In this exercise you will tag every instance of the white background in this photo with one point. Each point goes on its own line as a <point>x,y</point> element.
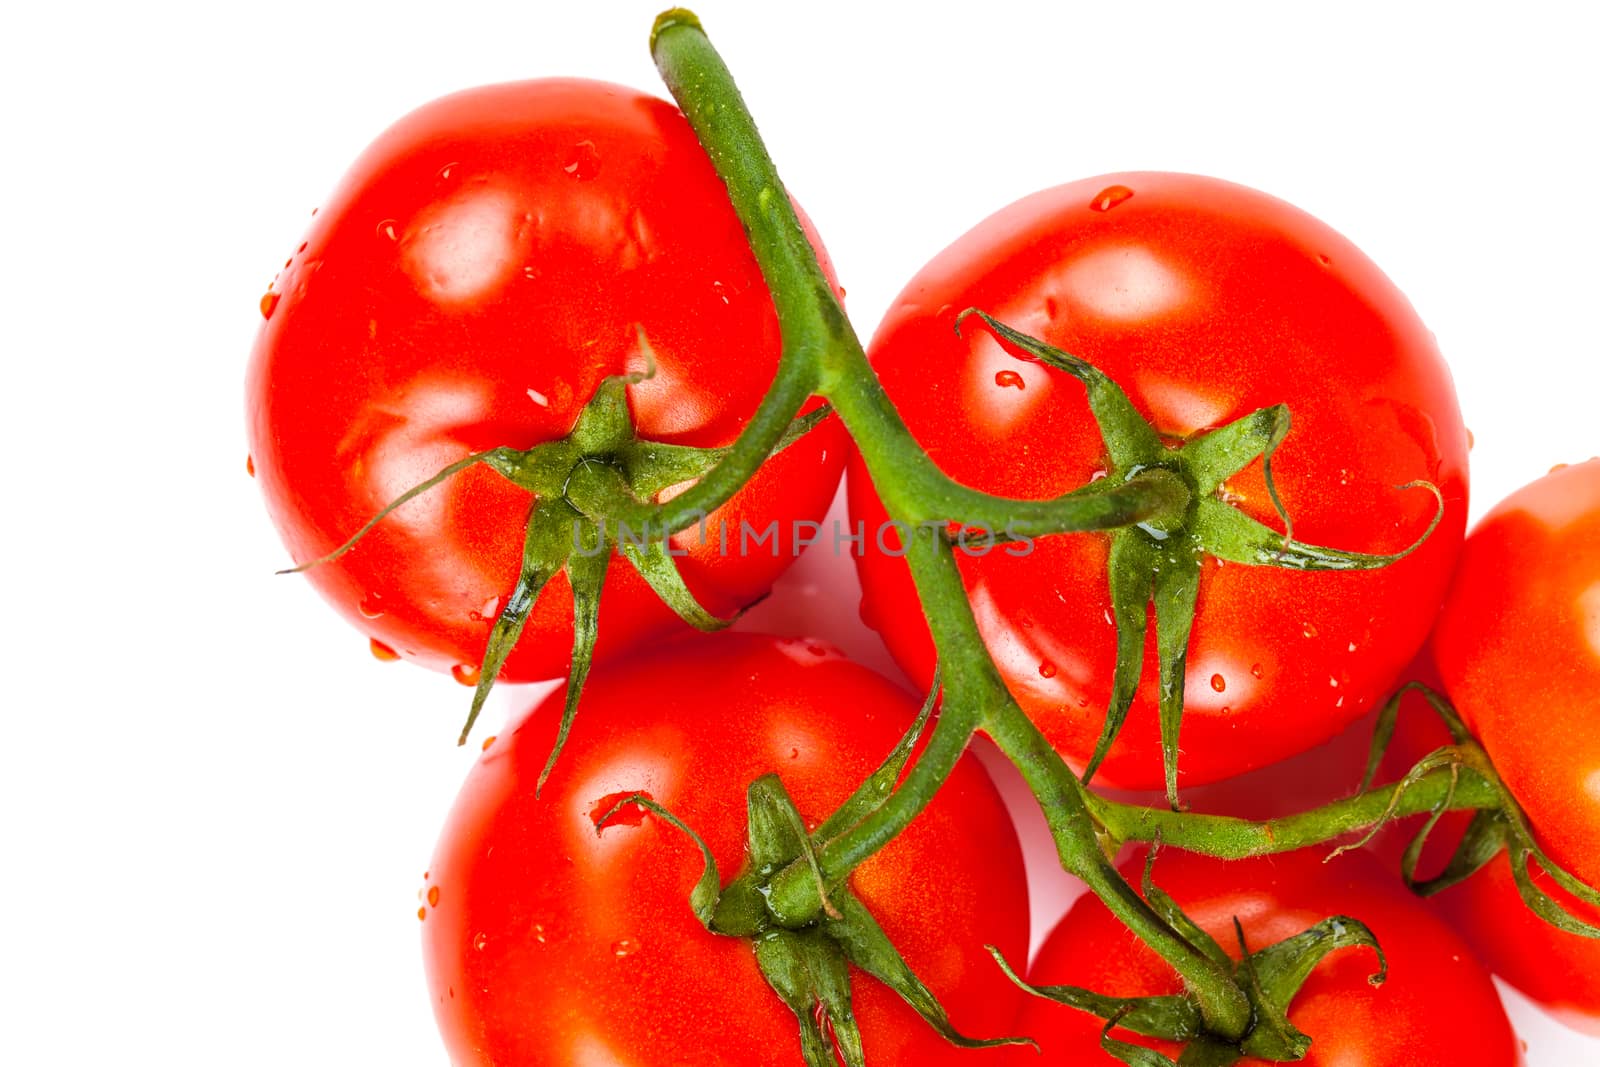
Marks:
<point>217,805</point>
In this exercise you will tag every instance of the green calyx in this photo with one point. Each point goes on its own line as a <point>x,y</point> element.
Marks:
<point>1492,829</point>
<point>594,497</point>
<point>1158,561</point>
<point>1269,978</point>
<point>809,965</point>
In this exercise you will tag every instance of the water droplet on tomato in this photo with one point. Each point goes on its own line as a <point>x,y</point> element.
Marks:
<point>250,466</point>
<point>480,941</point>
<point>1047,669</point>
<point>538,932</point>
<point>1333,682</point>
<point>1345,476</point>
<point>386,229</point>
<point>624,948</point>
<point>1009,379</point>
<point>433,896</point>
<point>1051,308</point>
<point>422,914</point>
<point>721,291</point>
<point>1110,197</point>
<point>269,300</point>
<point>1351,647</point>
<point>1309,629</point>
<point>1471,440</point>
<point>444,171</point>
<point>1558,467</point>
<point>371,606</point>
<point>486,611</point>
<point>465,673</point>
<point>1218,682</point>
<point>1257,671</point>
<point>583,162</point>
<point>1322,258</point>
<point>794,753</point>
<point>487,741</point>
<point>1227,711</point>
<point>303,246</point>
<point>382,652</point>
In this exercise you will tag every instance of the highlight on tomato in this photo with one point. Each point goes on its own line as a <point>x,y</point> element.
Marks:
<point>486,267</point>
<point>549,940</point>
<point>1236,327</point>
<point>1435,1007</point>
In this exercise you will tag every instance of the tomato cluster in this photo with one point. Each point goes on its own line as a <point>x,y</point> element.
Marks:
<point>497,256</point>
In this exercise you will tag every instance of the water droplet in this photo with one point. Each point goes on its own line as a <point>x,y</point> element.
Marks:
<point>487,741</point>
<point>817,650</point>
<point>1009,379</point>
<point>1345,476</point>
<point>583,162</point>
<point>1257,671</point>
<point>269,300</point>
<point>386,229</point>
<point>480,941</point>
<point>486,611</point>
<point>1218,682</point>
<point>425,875</point>
<point>1051,308</point>
<point>422,914</point>
<point>250,466</point>
<point>1227,711</point>
<point>371,606</point>
<point>465,673</point>
<point>721,291</point>
<point>624,948</point>
<point>630,815</point>
<point>1309,629</point>
<point>1333,683</point>
<point>1110,197</point>
<point>433,896</point>
<point>382,652</point>
<point>303,246</point>
<point>1351,647</point>
<point>538,398</point>
<point>444,171</point>
<point>794,753</point>
<point>1322,258</point>
<point>538,932</point>
<point>1083,702</point>
<point>1047,669</point>
<point>1471,440</point>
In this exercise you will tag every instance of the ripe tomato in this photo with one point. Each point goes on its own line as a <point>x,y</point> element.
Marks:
<point>485,263</point>
<point>548,944</point>
<point>1518,647</point>
<point>1437,1007</point>
<point>1205,301</point>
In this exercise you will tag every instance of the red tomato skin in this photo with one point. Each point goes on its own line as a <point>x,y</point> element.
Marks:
<point>484,264</point>
<point>1205,301</point>
<point>1438,1006</point>
<point>1518,647</point>
<point>552,945</point>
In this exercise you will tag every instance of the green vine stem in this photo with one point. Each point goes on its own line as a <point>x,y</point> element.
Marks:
<point>1228,837</point>
<point>821,354</point>
<point>918,495</point>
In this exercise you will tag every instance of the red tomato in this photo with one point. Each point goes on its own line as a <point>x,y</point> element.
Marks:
<point>482,267</point>
<point>1518,647</point>
<point>1555,969</point>
<point>1438,1006</point>
<point>1205,301</point>
<point>548,944</point>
